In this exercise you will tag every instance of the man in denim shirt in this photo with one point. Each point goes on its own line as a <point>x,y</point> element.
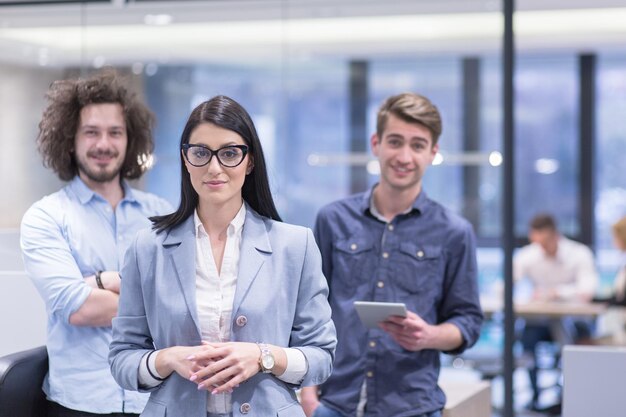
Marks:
<point>393,244</point>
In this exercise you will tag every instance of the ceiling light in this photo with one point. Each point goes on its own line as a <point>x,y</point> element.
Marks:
<point>43,57</point>
<point>546,166</point>
<point>357,35</point>
<point>495,159</point>
<point>157,19</point>
<point>313,160</point>
<point>151,69</point>
<point>98,62</point>
<point>137,68</point>
<point>373,167</point>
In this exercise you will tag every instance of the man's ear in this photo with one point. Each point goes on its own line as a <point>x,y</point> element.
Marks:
<point>375,143</point>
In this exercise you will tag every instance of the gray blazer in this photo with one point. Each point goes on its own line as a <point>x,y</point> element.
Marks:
<point>281,299</point>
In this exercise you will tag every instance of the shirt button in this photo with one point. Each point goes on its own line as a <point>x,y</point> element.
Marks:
<point>390,227</point>
<point>420,254</point>
<point>380,284</point>
<point>370,374</point>
<point>241,321</point>
<point>385,255</point>
<point>372,344</point>
<point>245,408</point>
<point>353,246</point>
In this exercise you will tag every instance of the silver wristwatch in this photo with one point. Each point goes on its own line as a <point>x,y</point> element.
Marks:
<point>266,361</point>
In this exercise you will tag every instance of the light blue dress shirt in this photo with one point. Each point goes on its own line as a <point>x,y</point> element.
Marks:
<point>65,237</point>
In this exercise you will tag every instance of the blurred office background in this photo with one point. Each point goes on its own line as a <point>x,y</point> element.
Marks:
<point>312,74</point>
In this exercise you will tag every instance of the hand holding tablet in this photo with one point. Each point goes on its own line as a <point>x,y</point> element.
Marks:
<point>373,312</point>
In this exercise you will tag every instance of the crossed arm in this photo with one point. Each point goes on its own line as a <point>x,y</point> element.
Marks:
<point>101,305</point>
<point>52,267</point>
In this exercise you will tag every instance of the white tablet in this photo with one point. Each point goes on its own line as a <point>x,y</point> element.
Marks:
<point>372,312</point>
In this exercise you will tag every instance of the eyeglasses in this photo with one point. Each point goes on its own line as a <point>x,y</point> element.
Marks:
<point>228,156</point>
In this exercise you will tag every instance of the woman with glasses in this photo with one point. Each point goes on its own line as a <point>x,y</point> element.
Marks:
<point>223,308</point>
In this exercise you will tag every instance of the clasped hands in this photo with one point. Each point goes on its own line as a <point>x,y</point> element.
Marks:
<point>216,367</point>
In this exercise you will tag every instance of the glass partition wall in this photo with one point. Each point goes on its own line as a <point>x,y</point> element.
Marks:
<point>313,73</point>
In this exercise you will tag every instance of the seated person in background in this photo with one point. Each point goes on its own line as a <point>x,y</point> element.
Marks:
<point>614,319</point>
<point>619,287</point>
<point>559,269</point>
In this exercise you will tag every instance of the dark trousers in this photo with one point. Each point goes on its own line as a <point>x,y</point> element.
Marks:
<point>57,410</point>
<point>534,333</point>
<point>324,411</point>
<point>531,336</point>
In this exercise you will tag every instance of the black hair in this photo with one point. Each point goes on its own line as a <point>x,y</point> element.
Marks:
<point>226,113</point>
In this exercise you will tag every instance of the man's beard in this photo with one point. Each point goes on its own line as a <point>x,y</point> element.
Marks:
<point>100,175</point>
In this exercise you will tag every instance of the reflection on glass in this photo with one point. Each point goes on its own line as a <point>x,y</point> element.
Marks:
<point>547,154</point>
<point>609,164</point>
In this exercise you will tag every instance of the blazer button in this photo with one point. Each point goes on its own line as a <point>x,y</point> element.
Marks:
<point>241,321</point>
<point>245,408</point>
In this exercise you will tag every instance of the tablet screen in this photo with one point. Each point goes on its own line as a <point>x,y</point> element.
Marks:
<point>373,312</point>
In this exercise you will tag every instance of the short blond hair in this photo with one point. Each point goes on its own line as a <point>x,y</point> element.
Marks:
<point>412,108</point>
<point>619,229</point>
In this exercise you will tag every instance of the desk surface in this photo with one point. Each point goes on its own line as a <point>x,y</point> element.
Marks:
<point>554,309</point>
<point>467,399</point>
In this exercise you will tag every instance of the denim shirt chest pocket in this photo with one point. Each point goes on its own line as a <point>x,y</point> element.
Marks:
<point>351,258</point>
<point>419,268</point>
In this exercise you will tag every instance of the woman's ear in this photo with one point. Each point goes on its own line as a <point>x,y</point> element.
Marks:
<point>250,166</point>
<point>182,154</point>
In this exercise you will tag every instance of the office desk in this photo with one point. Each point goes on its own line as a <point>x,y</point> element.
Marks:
<point>467,399</point>
<point>556,314</point>
<point>543,309</point>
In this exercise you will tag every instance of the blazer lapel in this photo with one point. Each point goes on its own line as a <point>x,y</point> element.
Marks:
<point>181,245</point>
<point>255,245</point>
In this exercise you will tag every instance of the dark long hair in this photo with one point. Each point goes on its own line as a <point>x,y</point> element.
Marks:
<point>226,113</point>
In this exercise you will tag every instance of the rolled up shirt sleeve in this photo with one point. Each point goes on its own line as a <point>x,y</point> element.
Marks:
<point>50,264</point>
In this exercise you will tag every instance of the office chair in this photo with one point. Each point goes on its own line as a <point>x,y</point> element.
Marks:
<point>21,376</point>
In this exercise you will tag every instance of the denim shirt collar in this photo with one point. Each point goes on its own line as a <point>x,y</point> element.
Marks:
<point>419,205</point>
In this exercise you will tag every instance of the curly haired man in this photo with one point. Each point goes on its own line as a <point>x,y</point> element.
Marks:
<point>94,134</point>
